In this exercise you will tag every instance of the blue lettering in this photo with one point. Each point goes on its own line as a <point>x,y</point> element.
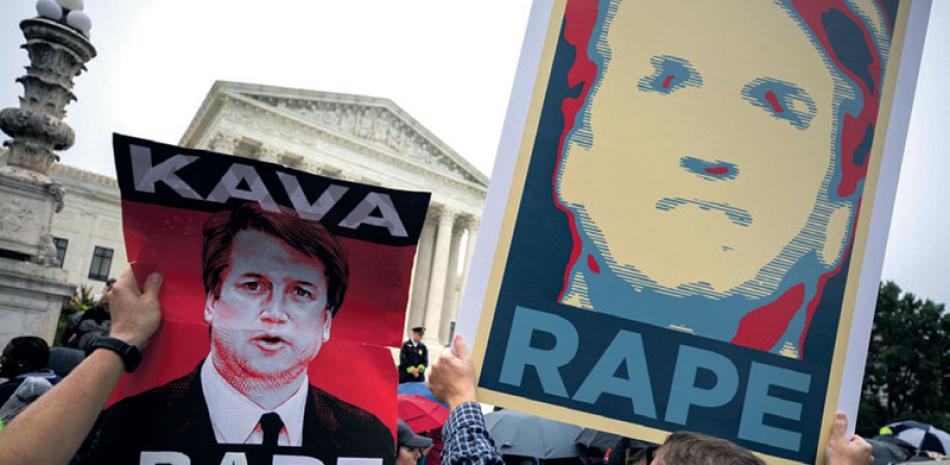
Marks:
<point>519,353</point>
<point>627,349</point>
<point>758,402</point>
<point>684,392</point>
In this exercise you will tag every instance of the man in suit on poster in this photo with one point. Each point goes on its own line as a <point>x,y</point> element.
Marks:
<point>273,283</point>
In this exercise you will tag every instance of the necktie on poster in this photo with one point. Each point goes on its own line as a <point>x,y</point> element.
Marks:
<point>283,293</point>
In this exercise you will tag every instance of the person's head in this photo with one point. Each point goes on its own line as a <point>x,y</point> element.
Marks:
<point>717,163</point>
<point>417,333</point>
<point>273,282</point>
<point>24,354</point>
<point>411,445</point>
<point>103,300</point>
<point>693,449</point>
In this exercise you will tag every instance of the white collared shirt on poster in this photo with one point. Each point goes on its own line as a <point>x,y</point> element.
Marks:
<point>235,418</point>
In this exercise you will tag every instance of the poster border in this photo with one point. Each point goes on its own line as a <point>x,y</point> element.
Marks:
<point>510,172</point>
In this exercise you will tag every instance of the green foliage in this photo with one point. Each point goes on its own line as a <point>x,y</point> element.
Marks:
<point>908,367</point>
<point>80,301</point>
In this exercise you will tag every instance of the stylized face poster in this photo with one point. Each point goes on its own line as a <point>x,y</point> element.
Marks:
<point>683,221</point>
<point>283,291</point>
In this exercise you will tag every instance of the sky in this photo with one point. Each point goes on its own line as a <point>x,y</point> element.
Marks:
<point>450,64</point>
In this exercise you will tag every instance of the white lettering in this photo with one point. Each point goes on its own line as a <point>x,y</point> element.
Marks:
<point>228,187</point>
<point>234,458</point>
<point>145,176</point>
<point>311,211</point>
<point>389,219</point>
<point>358,461</point>
<point>163,458</point>
<point>280,459</point>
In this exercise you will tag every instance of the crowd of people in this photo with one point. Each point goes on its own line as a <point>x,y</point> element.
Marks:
<point>41,434</point>
<point>31,367</point>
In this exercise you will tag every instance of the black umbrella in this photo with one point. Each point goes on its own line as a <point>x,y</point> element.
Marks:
<point>598,439</point>
<point>920,435</point>
<point>601,440</point>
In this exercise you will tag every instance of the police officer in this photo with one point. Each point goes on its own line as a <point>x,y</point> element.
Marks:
<point>414,358</point>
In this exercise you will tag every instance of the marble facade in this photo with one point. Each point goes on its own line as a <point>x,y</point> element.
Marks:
<point>363,139</point>
<point>358,138</point>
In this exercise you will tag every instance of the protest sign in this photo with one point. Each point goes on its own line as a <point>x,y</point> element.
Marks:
<point>688,214</point>
<point>283,292</point>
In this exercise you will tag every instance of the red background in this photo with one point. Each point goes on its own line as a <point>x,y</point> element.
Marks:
<point>355,365</point>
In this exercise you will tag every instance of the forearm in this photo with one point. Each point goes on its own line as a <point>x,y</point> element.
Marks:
<point>51,430</point>
<point>466,438</point>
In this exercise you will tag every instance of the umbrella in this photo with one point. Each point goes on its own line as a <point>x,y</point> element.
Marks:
<point>601,440</point>
<point>888,449</point>
<point>419,413</point>
<point>418,389</point>
<point>518,433</point>
<point>597,439</point>
<point>920,435</point>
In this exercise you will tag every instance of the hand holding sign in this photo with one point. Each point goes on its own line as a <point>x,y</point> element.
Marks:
<point>135,315</point>
<point>452,379</point>
<point>844,451</point>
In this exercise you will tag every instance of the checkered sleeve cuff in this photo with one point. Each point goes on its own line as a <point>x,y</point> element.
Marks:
<point>466,438</point>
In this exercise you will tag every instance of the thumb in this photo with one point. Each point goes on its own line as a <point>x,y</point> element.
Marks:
<point>459,348</point>
<point>840,427</point>
<point>152,285</point>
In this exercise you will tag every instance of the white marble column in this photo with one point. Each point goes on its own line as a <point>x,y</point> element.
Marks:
<point>450,300</point>
<point>421,275</point>
<point>440,265</point>
<point>469,249</point>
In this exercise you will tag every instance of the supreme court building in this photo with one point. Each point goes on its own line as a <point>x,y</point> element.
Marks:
<point>352,137</point>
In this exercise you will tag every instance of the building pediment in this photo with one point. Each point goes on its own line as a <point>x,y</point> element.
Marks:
<point>377,122</point>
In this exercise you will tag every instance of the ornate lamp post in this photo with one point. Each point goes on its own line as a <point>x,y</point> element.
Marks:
<point>32,284</point>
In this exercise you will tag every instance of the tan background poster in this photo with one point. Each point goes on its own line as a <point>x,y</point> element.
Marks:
<point>684,194</point>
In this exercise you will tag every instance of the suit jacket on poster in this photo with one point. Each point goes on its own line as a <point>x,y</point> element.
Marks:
<point>174,417</point>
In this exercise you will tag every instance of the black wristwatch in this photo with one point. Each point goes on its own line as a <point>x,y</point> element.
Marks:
<point>131,357</point>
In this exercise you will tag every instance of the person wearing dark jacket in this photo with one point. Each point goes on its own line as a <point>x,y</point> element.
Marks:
<point>178,421</point>
<point>23,357</point>
<point>84,328</point>
<point>414,358</point>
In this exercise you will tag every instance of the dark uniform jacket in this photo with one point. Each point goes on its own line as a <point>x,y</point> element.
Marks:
<point>174,417</point>
<point>413,356</point>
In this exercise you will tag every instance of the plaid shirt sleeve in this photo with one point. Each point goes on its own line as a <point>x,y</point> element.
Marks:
<point>466,438</point>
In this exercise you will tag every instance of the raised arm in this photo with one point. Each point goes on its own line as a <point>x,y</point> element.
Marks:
<point>466,438</point>
<point>51,429</point>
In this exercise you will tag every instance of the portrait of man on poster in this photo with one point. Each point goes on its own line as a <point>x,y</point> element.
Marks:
<point>273,284</point>
<point>712,180</point>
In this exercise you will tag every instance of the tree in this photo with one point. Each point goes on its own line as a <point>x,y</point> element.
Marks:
<point>908,366</point>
